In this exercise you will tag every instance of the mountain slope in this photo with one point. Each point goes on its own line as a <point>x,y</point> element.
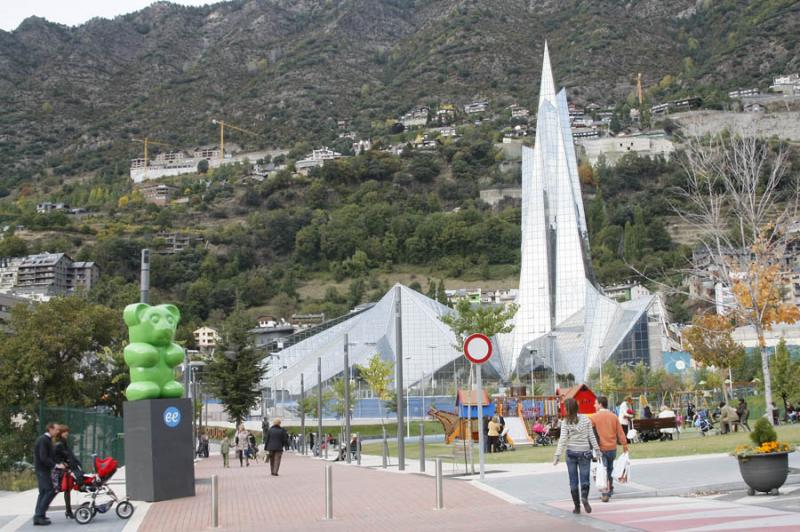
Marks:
<point>288,69</point>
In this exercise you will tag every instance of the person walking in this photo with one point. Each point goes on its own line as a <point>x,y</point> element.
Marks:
<point>743,413</point>
<point>609,435</point>
<point>43,464</point>
<point>242,442</point>
<point>577,436</point>
<point>225,449</point>
<point>626,415</point>
<point>62,454</point>
<point>276,441</point>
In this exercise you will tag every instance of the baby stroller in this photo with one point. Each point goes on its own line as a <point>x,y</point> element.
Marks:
<point>97,484</point>
<point>544,437</point>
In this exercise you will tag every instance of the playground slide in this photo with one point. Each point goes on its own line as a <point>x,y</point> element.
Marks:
<point>517,431</point>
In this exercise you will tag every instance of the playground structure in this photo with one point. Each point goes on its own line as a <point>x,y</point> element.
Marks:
<point>519,411</point>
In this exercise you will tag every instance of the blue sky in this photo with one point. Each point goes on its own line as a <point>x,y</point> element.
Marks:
<point>72,12</point>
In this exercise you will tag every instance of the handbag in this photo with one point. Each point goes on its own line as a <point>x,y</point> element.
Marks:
<point>600,475</point>
<point>622,469</point>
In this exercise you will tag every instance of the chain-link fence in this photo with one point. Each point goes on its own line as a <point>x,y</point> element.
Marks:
<point>91,431</point>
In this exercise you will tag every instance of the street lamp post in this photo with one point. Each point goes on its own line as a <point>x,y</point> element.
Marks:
<point>347,395</point>
<point>398,332</point>
<point>408,408</point>
<point>552,341</point>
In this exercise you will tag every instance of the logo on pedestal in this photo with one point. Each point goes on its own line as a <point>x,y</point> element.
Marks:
<point>172,417</point>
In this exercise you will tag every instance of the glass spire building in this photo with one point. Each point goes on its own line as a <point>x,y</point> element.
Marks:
<point>564,319</point>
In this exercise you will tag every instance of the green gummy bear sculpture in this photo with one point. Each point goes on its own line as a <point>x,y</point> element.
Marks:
<point>152,354</point>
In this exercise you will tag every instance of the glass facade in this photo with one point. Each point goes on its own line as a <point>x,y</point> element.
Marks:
<point>635,348</point>
<point>562,314</point>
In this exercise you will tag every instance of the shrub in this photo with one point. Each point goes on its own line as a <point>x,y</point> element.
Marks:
<point>763,432</point>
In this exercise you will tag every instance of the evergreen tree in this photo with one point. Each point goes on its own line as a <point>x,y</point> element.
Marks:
<point>629,249</point>
<point>236,368</point>
<point>441,293</point>
<point>639,230</point>
<point>785,373</point>
<point>431,293</point>
<point>598,217</point>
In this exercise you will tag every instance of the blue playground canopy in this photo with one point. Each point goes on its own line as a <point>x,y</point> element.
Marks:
<point>467,404</point>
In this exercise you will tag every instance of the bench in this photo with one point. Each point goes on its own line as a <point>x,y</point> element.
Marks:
<point>650,429</point>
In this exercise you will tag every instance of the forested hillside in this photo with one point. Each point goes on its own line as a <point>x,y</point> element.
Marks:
<point>289,69</point>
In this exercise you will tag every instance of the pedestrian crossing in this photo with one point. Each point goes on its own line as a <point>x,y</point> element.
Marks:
<point>701,514</point>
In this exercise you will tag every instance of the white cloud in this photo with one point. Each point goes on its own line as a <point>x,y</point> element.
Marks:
<point>71,12</point>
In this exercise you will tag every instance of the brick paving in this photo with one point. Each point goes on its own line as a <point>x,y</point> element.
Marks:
<point>364,500</point>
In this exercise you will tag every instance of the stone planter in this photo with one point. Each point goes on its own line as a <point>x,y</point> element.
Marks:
<point>764,472</point>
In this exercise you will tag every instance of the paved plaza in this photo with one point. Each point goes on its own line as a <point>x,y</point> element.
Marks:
<point>699,493</point>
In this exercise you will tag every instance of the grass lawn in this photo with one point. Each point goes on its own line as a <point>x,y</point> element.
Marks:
<point>17,481</point>
<point>691,443</point>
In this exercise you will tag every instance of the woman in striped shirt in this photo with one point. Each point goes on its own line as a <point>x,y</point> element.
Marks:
<point>577,435</point>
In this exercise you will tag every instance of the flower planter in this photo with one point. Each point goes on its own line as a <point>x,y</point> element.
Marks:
<point>764,472</point>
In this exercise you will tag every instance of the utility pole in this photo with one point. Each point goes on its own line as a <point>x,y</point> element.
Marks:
<point>319,404</point>
<point>398,332</point>
<point>144,284</point>
<point>347,394</point>
<point>303,414</point>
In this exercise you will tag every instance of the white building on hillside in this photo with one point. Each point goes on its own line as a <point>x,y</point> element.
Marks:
<point>316,159</point>
<point>613,148</point>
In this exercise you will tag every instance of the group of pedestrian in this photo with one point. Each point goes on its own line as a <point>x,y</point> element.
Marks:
<point>276,440</point>
<point>57,469</point>
<point>585,440</point>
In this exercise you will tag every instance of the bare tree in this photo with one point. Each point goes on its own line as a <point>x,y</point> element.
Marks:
<point>741,204</point>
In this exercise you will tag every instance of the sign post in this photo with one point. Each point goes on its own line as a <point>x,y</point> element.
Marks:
<point>478,350</point>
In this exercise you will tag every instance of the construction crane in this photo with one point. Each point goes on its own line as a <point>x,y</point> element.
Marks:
<point>146,141</point>
<point>222,125</point>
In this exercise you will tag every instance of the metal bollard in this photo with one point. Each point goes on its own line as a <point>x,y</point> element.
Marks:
<point>439,486</point>
<point>328,492</point>
<point>214,501</point>
<point>422,447</point>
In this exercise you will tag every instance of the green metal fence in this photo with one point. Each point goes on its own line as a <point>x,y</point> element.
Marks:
<point>91,432</point>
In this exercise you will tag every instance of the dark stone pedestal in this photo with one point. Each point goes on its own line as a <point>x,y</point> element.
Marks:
<point>159,450</point>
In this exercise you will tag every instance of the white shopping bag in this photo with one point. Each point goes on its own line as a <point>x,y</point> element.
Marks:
<point>622,469</point>
<point>601,475</point>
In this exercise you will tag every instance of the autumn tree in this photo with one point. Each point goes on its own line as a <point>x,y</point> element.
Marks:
<point>740,202</point>
<point>710,341</point>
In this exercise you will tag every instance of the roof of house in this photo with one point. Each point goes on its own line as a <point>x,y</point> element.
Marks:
<point>470,397</point>
<point>572,391</point>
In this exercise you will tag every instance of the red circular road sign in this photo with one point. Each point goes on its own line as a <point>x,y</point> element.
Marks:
<point>478,348</point>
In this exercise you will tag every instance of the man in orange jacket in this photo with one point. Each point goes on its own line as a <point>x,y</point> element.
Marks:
<point>609,434</point>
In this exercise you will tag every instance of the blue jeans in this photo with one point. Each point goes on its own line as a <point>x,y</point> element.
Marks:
<point>578,467</point>
<point>46,493</point>
<point>608,461</point>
